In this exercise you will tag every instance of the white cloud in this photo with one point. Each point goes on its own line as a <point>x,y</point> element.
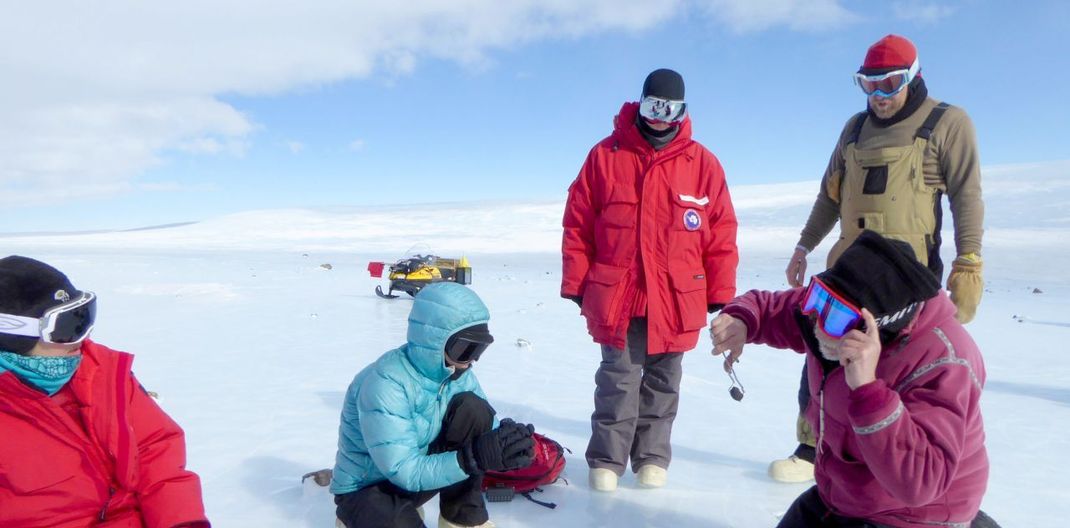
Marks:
<point>921,12</point>
<point>356,144</point>
<point>295,146</point>
<point>96,92</point>
<point>173,186</point>
<point>744,16</point>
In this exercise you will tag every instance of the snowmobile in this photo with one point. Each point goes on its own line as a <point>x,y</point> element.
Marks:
<point>411,274</point>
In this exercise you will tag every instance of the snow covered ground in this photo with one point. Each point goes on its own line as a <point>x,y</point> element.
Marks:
<point>251,345</point>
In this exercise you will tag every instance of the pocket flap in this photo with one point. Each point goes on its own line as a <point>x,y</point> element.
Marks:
<point>688,280</point>
<point>605,273</point>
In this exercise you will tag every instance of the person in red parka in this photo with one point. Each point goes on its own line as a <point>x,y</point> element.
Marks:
<point>895,384</point>
<point>649,248</point>
<point>83,444</point>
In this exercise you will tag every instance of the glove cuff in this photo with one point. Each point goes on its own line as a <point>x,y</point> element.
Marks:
<point>467,460</point>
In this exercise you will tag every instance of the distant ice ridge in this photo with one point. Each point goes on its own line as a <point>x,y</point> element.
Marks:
<point>1025,204</point>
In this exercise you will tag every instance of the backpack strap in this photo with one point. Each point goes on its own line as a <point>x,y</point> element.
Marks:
<point>856,129</point>
<point>547,504</point>
<point>926,128</point>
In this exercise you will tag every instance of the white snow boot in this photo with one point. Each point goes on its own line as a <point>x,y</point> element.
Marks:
<point>791,469</point>
<point>443,523</point>
<point>651,476</point>
<point>602,479</point>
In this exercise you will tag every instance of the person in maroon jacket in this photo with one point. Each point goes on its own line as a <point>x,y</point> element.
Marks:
<point>82,443</point>
<point>895,383</point>
<point>649,247</point>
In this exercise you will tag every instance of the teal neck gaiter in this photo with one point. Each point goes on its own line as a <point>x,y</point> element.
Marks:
<point>48,374</point>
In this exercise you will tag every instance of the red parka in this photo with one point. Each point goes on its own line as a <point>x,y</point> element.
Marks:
<point>906,450</point>
<point>649,232</point>
<point>98,453</point>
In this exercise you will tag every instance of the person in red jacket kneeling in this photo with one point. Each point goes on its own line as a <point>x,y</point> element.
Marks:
<point>895,383</point>
<point>649,248</point>
<point>83,443</point>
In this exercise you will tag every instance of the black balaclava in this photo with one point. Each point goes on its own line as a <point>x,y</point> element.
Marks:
<point>666,84</point>
<point>883,276</point>
<point>916,95</point>
<point>28,288</point>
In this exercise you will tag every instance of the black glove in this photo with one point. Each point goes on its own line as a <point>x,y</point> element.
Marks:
<point>578,299</point>
<point>508,447</point>
<point>714,308</point>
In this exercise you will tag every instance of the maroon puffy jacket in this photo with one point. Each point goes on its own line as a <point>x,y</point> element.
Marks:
<point>908,449</point>
<point>649,231</point>
<point>119,461</point>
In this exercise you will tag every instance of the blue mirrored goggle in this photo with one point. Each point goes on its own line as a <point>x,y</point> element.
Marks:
<point>835,315</point>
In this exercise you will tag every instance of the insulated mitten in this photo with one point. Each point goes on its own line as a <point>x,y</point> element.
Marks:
<point>966,285</point>
<point>508,447</point>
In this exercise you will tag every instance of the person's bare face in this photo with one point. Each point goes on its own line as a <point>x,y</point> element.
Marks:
<point>886,107</point>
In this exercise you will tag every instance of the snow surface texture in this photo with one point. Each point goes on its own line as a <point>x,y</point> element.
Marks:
<point>251,344</point>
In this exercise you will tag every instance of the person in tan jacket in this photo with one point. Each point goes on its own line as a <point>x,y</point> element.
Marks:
<point>891,167</point>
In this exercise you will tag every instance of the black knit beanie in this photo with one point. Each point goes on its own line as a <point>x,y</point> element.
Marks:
<point>28,288</point>
<point>664,83</point>
<point>883,276</point>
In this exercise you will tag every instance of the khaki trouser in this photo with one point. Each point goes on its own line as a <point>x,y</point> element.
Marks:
<point>635,400</point>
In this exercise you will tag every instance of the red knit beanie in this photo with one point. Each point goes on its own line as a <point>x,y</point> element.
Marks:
<point>889,53</point>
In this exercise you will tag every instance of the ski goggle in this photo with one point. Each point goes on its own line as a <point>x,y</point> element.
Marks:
<point>835,315</point>
<point>661,110</point>
<point>887,84</point>
<point>463,350</point>
<point>65,324</point>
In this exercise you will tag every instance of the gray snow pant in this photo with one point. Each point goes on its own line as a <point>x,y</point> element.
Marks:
<point>635,400</point>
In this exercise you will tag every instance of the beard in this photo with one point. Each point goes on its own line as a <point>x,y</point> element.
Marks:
<point>829,348</point>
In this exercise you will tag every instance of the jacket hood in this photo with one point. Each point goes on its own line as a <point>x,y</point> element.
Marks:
<point>627,133</point>
<point>439,311</point>
<point>935,312</point>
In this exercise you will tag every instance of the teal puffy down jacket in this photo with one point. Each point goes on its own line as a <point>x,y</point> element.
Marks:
<point>394,407</point>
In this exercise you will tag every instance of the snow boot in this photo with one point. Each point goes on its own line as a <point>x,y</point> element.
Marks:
<point>602,479</point>
<point>791,469</point>
<point>443,523</point>
<point>651,476</point>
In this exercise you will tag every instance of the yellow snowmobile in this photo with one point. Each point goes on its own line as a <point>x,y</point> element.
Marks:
<point>411,274</point>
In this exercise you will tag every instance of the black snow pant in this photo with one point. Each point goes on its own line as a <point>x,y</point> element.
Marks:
<point>385,505</point>
<point>805,451</point>
<point>809,511</point>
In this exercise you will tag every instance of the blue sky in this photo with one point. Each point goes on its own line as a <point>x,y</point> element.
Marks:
<point>145,118</point>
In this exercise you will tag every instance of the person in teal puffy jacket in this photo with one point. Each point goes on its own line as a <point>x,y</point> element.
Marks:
<point>416,423</point>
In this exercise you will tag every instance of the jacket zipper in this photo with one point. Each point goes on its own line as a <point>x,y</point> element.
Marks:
<point>441,388</point>
<point>821,413</point>
<point>107,502</point>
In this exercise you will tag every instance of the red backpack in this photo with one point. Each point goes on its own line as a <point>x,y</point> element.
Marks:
<point>545,469</point>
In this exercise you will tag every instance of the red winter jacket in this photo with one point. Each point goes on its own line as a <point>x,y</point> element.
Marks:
<point>908,449</point>
<point>121,465</point>
<point>649,225</point>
